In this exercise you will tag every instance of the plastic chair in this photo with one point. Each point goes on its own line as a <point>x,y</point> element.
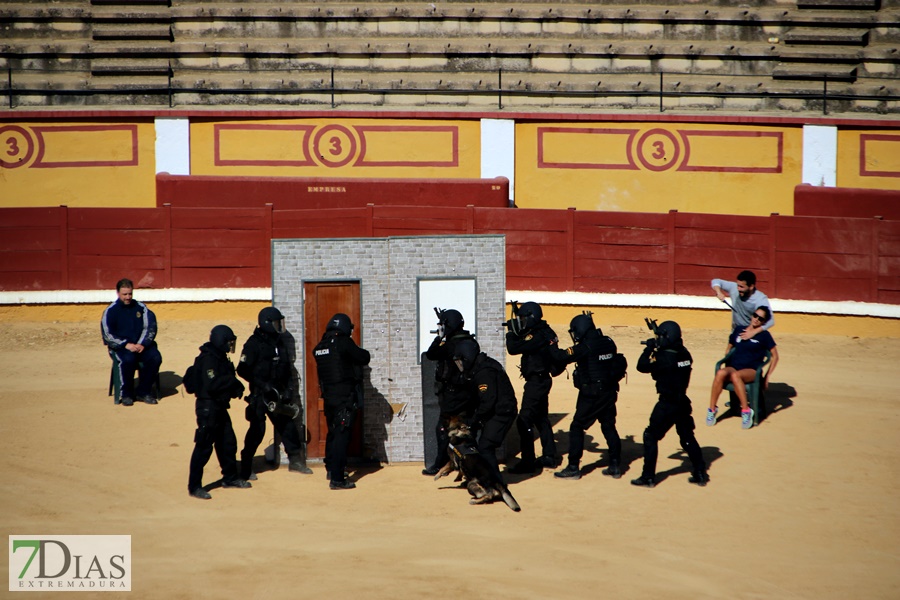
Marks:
<point>115,382</point>
<point>755,393</point>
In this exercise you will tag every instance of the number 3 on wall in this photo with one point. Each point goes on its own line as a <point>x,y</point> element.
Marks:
<point>658,150</point>
<point>17,146</point>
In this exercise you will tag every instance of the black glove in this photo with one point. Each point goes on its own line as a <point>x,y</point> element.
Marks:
<point>651,344</point>
<point>237,389</point>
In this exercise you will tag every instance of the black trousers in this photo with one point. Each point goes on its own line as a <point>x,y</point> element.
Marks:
<point>491,437</point>
<point>589,408</point>
<point>146,364</point>
<point>256,413</point>
<point>214,430</point>
<point>340,416</point>
<point>534,414</point>
<point>664,415</point>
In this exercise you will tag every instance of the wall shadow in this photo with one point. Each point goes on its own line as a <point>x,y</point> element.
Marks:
<point>378,415</point>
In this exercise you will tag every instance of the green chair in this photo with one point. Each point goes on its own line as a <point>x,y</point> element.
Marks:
<point>755,393</point>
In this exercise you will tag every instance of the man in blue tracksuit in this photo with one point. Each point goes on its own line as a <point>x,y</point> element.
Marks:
<point>128,328</point>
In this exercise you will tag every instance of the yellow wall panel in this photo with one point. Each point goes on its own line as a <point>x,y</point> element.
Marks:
<point>77,164</point>
<point>869,159</point>
<point>652,167</point>
<point>350,148</point>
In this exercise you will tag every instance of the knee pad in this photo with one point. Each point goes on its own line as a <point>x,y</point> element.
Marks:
<point>649,436</point>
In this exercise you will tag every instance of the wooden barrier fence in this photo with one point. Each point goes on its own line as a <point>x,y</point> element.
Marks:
<point>794,257</point>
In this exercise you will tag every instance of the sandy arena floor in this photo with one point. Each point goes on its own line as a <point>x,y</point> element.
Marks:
<point>804,506</point>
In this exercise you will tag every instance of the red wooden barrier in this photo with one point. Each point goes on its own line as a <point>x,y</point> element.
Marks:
<point>221,247</point>
<point>32,250</point>
<point>106,244</point>
<point>306,193</point>
<point>711,246</point>
<point>619,252</point>
<point>813,201</point>
<point>536,241</point>
<point>814,258</point>
<point>886,250</point>
<point>325,223</point>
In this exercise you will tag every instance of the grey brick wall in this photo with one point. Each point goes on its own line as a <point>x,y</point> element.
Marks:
<point>388,270</point>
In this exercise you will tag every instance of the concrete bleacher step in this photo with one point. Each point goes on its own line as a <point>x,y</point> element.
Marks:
<point>130,82</point>
<point>827,36</point>
<point>136,31</point>
<point>129,66</point>
<point>131,2</point>
<point>842,4</point>
<point>819,71</point>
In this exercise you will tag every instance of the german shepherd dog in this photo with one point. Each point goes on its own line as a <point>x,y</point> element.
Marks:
<point>480,480</point>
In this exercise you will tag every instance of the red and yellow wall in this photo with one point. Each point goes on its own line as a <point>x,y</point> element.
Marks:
<point>745,167</point>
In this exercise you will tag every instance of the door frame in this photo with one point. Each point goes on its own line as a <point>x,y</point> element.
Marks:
<point>315,320</point>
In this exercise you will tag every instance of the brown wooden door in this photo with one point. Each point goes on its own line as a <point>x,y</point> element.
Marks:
<point>322,301</point>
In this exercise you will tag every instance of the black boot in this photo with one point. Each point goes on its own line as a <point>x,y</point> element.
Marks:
<point>613,469</point>
<point>200,493</point>
<point>570,472</point>
<point>241,484</point>
<point>296,464</point>
<point>644,481</point>
<point>523,467</point>
<point>699,478</point>
<point>247,467</point>
<point>548,462</point>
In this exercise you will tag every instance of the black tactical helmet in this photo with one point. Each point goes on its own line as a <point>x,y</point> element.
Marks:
<point>340,323</point>
<point>580,326</point>
<point>668,334</point>
<point>531,314</point>
<point>271,320</point>
<point>464,354</point>
<point>452,320</point>
<point>222,338</point>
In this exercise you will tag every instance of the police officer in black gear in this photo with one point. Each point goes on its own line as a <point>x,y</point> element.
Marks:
<point>669,363</point>
<point>215,385</point>
<point>598,390</point>
<point>339,363</point>
<point>266,364</point>
<point>453,399</point>
<point>486,382</point>
<point>533,338</point>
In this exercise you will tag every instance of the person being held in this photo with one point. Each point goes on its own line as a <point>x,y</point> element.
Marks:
<point>669,363</point>
<point>597,379</point>
<point>493,396</point>
<point>529,335</point>
<point>745,299</point>
<point>748,355</point>
<point>453,400</point>
<point>266,364</point>
<point>128,329</point>
<point>339,363</point>
<point>215,384</point>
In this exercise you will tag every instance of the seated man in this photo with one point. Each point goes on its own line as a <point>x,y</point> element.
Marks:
<point>128,328</point>
<point>748,355</point>
<point>745,299</point>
